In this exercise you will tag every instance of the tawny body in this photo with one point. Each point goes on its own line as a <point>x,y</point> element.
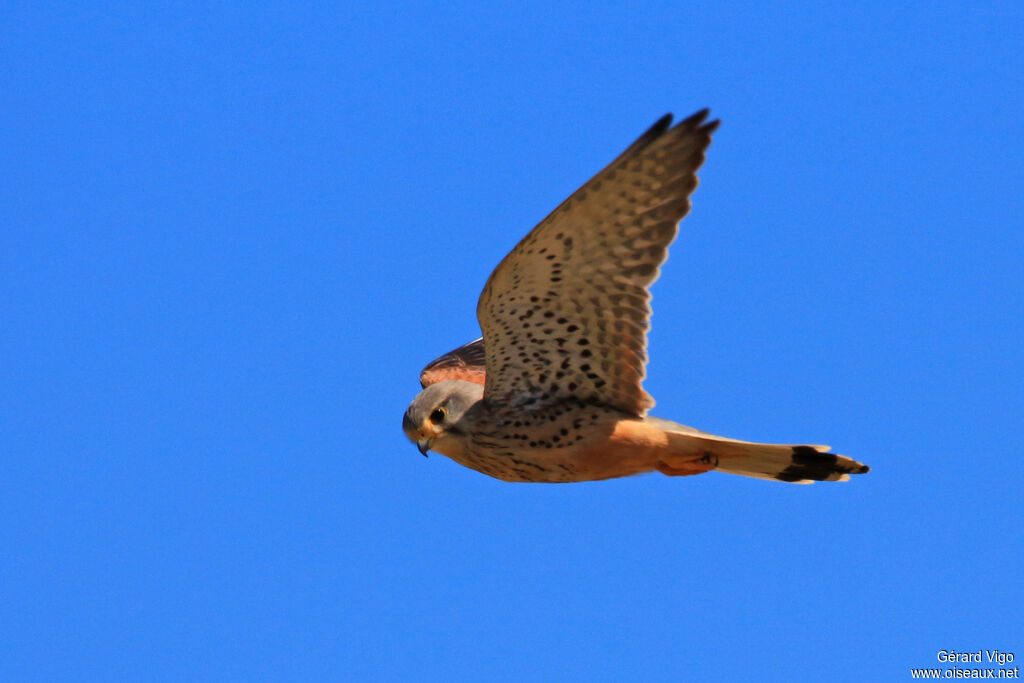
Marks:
<point>580,443</point>
<point>552,392</point>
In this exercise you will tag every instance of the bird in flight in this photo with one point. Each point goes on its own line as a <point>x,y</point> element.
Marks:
<point>552,391</point>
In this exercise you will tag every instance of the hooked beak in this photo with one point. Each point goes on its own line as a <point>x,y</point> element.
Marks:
<point>424,446</point>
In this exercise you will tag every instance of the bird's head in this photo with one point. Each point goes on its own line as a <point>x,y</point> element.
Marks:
<point>433,418</point>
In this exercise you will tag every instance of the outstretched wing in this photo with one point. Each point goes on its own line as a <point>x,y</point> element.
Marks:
<point>465,363</point>
<point>566,313</point>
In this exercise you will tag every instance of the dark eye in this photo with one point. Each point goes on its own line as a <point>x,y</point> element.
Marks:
<point>437,416</point>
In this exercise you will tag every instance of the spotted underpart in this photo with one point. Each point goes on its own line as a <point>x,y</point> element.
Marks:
<point>565,314</point>
<point>565,318</point>
<point>534,445</point>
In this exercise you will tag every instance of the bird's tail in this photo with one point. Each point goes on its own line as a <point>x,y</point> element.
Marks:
<point>789,463</point>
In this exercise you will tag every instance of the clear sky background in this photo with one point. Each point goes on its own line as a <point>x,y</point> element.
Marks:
<point>231,234</point>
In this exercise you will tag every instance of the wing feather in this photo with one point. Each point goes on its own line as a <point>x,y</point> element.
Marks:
<point>465,363</point>
<point>566,312</point>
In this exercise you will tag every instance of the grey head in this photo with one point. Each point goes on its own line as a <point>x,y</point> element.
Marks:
<point>436,413</point>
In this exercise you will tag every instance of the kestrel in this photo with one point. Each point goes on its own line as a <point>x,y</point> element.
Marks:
<point>552,392</point>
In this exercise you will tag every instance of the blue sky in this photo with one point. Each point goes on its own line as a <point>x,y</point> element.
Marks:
<point>232,234</point>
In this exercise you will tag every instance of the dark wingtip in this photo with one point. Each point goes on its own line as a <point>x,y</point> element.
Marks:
<point>696,118</point>
<point>659,127</point>
<point>664,124</point>
<point>698,121</point>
